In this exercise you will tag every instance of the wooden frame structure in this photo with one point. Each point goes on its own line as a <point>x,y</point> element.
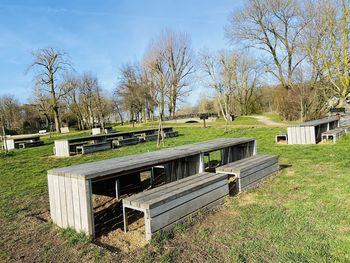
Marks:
<point>311,132</point>
<point>70,188</point>
<point>165,205</point>
<point>21,141</point>
<point>63,148</point>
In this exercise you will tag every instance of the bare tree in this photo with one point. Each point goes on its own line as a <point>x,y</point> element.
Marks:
<point>273,26</point>
<point>10,116</point>
<point>335,53</point>
<point>217,69</point>
<point>157,74</point>
<point>49,64</point>
<point>179,58</point>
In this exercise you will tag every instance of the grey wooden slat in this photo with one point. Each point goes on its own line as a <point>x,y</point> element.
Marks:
<point>182,191</point>
<point>167,188</point>
<point>57,198</point>
<point>76,204</point>
<point>50,182</point>
<point>154,211</point>
<point>69,201</point>
<point>83,206</point>
<point>247,180</point>
<point>189,207</point>
<point>64,212</point>
<point>246,162</point>
<point>116,165</point>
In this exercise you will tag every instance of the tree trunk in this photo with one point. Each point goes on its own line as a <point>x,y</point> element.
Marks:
<point>56,119</point>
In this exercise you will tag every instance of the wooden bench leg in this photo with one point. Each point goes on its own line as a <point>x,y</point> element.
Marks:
<point>148,229</point>
<point>151,179</point>
<point>125,218</point>
<point>117,189</point>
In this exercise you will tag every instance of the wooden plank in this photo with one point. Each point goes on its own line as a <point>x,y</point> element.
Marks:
<point>57,198</point>
<point>181,191</point>
<point>69,200</point>
<point>183,210</point>
<point>290,135</point>
<point>90,209</point>
<point>83,200</point>
<point>247,180</point>
<point>76,204</point>
<point>243,163</point>
<point>303,135</point>
<point>62,148</point>
<point>115,165</point>
<point>183,199</point>
<point>168,189</point>
<point>62,190</point>
<point>50,183</point>
<point>209,206</point>
<point>258,167</point>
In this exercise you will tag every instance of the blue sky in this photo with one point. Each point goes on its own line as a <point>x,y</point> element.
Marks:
<point>100,36</point>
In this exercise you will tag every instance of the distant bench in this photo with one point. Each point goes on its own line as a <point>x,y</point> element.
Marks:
<point>89,148</point>
<point>67,147</point>
<point>30,144</point>
<point>165,205</point>
<point>22,141</point>
<point>126,142</point>
<point>250,171</point>
<point>171,134</point>
<point>333,135</point>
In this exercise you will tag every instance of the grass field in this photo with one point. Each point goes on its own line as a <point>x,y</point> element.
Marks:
<point>300,215</point>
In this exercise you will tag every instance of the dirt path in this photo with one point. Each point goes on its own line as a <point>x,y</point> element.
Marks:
<point>266,121</point>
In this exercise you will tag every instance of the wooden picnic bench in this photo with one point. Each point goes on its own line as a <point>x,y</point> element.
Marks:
<point>126,142</point>
<point>333,135</point>
<point>310,132</point>
<point>62,147</point>
<point>72,189</point>
<point>147,137</point>
<point>250,171</point>
<point>22,141</point>
<point>171,134</point>
<point>30,144</point>
<point>165,205</point>
<point>89,148</point>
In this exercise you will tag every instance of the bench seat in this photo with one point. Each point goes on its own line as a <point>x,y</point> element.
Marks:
<point>30,144</point>
<point>147,137</point>
<point>171,134</point>
<point>126,142</point>
<point>251,170</point>
<point>333,135</point>
<point>165,205</point>
<point>89,148</point>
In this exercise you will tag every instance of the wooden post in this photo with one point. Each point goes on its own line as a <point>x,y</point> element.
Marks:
<point>117,189</point>
<point>125,218</point>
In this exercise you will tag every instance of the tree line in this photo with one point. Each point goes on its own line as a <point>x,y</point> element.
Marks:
<point>287,56</point>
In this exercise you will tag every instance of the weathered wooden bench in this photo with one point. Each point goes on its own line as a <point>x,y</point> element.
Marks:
<point>250,171</point>
<point>89,148</point>
<point>171,134</point>
<point>147,137</point>
<point>126,142</point>
<point>281,137</point>
<point>30,144</point>
<point>165,205</point>
<point>333,135</point>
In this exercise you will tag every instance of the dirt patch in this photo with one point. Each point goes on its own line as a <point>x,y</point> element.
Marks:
<point>247,199</point>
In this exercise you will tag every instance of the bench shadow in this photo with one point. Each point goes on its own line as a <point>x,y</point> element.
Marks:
<point>284,166</point>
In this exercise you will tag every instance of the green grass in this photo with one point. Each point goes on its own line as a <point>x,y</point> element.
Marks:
<point>300,215</point>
